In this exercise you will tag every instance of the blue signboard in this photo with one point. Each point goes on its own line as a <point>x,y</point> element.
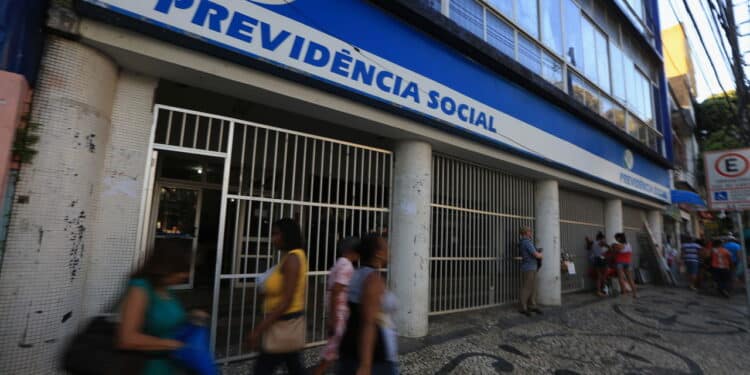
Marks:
<point>359,47</point>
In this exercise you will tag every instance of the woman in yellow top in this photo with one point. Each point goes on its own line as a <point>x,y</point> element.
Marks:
<point>283,328</point>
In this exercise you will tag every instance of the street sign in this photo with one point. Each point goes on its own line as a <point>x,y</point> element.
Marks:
<point>728,179</point>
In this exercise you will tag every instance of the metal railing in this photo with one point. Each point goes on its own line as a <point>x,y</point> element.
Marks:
<point>476,214</point>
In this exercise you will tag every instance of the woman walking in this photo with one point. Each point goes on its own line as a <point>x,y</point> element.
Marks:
<point>336,295</point>
<point>151,314</point>
<point>283,327</point>
<point>369,343</point>
<point>623,258</point>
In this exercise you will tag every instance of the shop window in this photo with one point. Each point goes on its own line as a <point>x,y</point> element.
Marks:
<point>468,14</point>
<point>500,34</point>
<point>529,54</point>
<point>528,17</point>
<point>573,42</point>
<point>551,24</point>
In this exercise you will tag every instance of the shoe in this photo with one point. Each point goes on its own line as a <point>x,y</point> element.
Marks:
<point>535,310</point>
<point>525,312</point>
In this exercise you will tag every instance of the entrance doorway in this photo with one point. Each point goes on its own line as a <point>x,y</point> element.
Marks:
<point>185,214</point>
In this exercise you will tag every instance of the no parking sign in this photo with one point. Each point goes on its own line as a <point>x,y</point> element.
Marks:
<point>728,179</point>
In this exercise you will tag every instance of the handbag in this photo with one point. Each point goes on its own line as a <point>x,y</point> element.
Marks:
<point>93,352</point>
<point>285,335</point>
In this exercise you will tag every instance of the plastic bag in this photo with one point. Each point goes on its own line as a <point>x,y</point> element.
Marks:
<point>195,355</point>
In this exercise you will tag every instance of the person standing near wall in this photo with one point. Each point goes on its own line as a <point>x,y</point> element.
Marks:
<point>530,263</point>
<point>623,260</point>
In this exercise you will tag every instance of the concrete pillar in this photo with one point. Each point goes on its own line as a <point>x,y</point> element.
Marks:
<point>656,224</point>
<point>49,236</point>
<point>410,235</point>
<point>547,237</point>
<point>613,219</point>
<point>119,190</point>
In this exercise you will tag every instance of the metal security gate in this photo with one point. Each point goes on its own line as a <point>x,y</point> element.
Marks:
<point>476,214</point>
<point>581,216</point>
<point>635,230</point>
<point>332,188</point>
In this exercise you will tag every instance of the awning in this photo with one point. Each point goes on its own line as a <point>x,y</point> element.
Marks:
<point>687,197</point>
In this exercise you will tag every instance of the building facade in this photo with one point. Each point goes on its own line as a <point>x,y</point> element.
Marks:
<point>446,124</point>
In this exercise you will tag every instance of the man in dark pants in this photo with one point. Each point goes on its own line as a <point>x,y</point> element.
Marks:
<point>529,264</point>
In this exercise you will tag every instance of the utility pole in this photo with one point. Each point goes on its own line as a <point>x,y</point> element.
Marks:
<point>729,25</point>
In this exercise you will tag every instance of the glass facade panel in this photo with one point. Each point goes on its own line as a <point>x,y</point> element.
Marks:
<point>500,34</point>
<point>584,93</point>
<point>602,61</point>
<point>503,6</point>
<point>434,4</point>
<point>551,24</point>
<point>528,16</point>
<point>573,42</point>
<point>529,54</point>
<point>468,14</point>
<point>589,49</point>
<point>552,70</point>
<point>618,72</point>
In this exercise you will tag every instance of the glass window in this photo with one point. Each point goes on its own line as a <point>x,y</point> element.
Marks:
<point>503,6</point>
<point>435,4</point>
<point>552,69</point>
<point>637,6</point>
<point>500,34</point>
<point>630,83</point>
<point>618,72</point>
<point>585,93</point>
<point>573,43</point>
<point>551,24</point>
<point>468,14</point>
<point>529,54</point>
<point>528,16</point>
<point>602,61</point>
<point>589,49</point>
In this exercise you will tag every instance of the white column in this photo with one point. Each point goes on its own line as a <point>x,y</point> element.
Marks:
<point>656,224</point>
<point>547,237</point>
<point>410,235</point>
<point>50,233</point>
<point>613,218</point>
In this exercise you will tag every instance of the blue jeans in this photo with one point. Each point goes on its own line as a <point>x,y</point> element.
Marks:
<point>349,366</point>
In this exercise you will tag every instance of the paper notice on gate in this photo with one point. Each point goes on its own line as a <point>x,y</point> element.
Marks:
<point>571,268</point>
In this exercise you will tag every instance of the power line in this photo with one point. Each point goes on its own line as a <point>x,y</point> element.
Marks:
<point>717,32</point>
<point>705,49</point>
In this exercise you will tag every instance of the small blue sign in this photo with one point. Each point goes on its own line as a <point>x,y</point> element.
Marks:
<point>721,196</point>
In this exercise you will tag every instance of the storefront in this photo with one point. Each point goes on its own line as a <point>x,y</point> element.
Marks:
<point>202,122</point>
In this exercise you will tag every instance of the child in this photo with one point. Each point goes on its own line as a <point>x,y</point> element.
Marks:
<point>338,310</point>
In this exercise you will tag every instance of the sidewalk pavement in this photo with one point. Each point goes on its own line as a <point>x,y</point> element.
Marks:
<point>664,331</point>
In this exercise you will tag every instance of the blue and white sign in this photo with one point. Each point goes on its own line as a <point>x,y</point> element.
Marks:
<point>357,46</point>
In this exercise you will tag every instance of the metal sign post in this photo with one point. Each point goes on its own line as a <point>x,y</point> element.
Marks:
<point>743,257</point>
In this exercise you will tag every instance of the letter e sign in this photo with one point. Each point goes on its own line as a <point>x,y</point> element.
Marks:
<point>732,165</point>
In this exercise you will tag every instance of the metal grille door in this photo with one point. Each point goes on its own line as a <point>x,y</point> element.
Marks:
<point>580,216</point>
<point>634,229</point>
<point>476,214</point>
<point>332,188</point>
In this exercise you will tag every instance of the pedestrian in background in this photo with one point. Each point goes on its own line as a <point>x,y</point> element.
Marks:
<point>734,248</point>
<point>530,260</point>
<point>598,250</point>
<point>336,301</point>
<point>369,345</point>
<point>283,327</point>
<point>721,266</point>
<point>691,260</point>
<point>623,259</point>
